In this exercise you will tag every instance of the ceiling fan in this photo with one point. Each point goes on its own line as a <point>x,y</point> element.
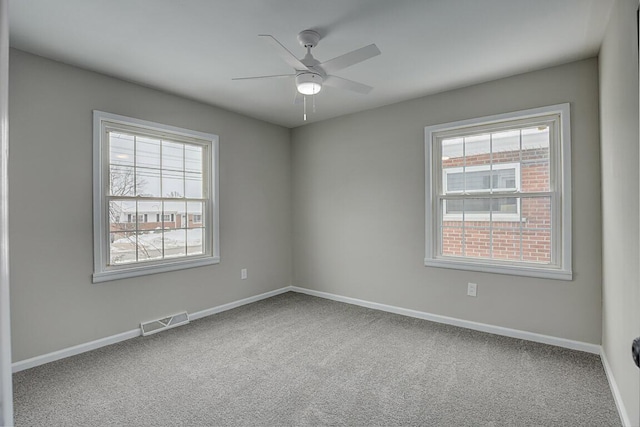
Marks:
<point>311,74</point>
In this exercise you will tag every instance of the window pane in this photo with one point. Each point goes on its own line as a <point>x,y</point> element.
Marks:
<point>477,149</point>
<point>477,180</point>
<point>454,206</point>
<point>150,245</point>
<point>173,213</point>
<point>172,156</point>
<point>122,216</point>
<point>147,152</point>
<point>451,240</point>
<point>172,184</point>
<point>506,146</point>
<point>194,185</point>
<point>195,214</point>
<point>455,182</point>
<point>477,242</point>
<point>149,212</point>
<point>195,241</point>
<point>471,150</point>
<point>536,234</point>
<point>175,243</point>
<point>471,208</point>
<point>121,149</point>
<point>122,248</point>
<point>147,182</point>
<point>535,159</point>
<point>122,180</point>
<point>506,243</point>
<point>482,206</point>
<point>537,212</point>
<point>452,152</point>
<point>504,205</point>
<point>536,245</point>
<point>503,179</point>
<point>193,158</point>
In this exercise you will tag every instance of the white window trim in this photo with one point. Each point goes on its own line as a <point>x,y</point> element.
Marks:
<point>102,271</point>
<point>497,216</point>
<point>561,209</point>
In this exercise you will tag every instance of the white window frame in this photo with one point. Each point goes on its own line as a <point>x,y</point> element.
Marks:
<point>560,191</point>
<point>101,239</point>
<point>498,216</point>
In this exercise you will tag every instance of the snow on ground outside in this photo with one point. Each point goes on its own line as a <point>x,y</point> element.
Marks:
<point>172,239</point>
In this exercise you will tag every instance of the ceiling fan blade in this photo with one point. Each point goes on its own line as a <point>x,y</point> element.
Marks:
<point>341,83</point>
<point>284,53</point>
<point>351,58</point>
<point>277,76</point>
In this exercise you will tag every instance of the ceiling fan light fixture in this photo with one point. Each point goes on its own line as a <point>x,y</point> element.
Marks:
<point>309,83</point>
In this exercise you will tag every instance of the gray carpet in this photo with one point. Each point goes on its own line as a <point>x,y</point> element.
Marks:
<point>300,360</point>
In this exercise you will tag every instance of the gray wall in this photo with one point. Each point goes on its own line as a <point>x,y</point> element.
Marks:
<point>620,195</point>
<point>54,305</point>
<point>358,209</point>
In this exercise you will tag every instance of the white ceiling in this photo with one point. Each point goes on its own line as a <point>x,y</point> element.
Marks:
<point>195,47</point>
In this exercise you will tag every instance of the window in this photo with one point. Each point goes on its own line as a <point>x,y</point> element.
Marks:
<point>197,219</point>
<point>132,218</point>
<point>498,194</point>
<point>146,171</point>
<point>482,179</point>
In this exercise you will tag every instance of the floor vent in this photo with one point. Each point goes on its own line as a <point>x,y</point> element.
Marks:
<point>168,322</point>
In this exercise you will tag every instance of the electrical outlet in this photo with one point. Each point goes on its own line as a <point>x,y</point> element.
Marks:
<point>243,274</point>
<point>472,289</point>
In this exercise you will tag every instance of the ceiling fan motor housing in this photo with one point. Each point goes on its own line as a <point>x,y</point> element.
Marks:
<point>308,38</point>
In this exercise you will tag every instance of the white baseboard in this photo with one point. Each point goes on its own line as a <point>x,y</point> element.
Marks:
<point>483,327</point>
<point>617,397</point>
<point>81,348</point>
<point>72,351</point>
<point>234,304</point>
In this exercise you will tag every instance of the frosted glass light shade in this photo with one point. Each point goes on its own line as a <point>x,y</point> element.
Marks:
<point>308,83</point>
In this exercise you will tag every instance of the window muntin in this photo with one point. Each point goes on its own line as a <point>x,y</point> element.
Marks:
<point>498,194</point>
<point>148,178</point>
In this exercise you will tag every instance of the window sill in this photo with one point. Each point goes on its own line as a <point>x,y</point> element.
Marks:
<point>138,270</point>
<point>515,270</point>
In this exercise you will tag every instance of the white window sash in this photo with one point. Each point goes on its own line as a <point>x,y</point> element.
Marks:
<point>107,122</point>
<point>557,116</point>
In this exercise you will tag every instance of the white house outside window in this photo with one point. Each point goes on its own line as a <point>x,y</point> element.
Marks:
<point>147,177</point>
<point>498,194</point>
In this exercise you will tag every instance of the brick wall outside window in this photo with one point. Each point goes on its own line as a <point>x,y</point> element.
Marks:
<point>526,240</point>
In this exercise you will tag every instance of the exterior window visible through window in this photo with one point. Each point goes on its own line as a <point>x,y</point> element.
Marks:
<point>481,179</point>
<point>498,194</point>
<point>146,177</point>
